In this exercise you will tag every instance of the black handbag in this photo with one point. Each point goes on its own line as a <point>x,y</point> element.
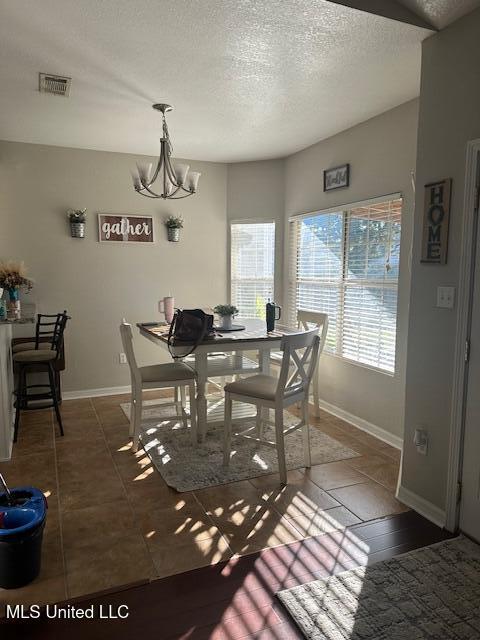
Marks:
<point>188,329</point>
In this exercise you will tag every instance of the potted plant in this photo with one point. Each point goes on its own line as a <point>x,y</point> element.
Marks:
<point>227,312</point>
<point>77,218</point>
<point>173,224</point>
<point>13,278</point>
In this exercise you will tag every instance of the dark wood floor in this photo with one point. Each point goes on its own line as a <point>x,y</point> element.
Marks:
<point>236,599</point>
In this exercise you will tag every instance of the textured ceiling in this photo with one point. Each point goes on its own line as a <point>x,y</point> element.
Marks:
<point>249,79</point>
<point>441,13</point>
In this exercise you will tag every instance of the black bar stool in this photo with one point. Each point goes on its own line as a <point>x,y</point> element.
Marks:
<point>40,359</point>
<point>42,339</point>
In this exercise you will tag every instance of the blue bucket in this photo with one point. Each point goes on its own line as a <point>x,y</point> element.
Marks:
<point>21,533</point>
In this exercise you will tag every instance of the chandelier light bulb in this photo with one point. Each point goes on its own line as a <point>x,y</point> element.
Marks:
<point>136,180</point>
<point>144,171</point>
<point>181,171</point>
<point>193,178</point>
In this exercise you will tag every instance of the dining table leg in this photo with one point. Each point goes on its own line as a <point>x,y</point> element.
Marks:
<point>202,380</point>
<point>265,361</point>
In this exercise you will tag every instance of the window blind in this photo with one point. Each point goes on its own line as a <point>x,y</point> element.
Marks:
<point>252,251</point>
<point>346,264</point>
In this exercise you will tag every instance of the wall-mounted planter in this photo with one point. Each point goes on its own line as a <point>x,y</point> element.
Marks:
<point>77,229</point>
<point>77,219</point>
<point>173,224</point>
<point>173,234</point>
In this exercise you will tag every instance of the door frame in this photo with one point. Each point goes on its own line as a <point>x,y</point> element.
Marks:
<point>464,314</point>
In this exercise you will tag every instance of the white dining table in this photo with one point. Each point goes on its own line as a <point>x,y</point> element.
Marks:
<point>224,355</point>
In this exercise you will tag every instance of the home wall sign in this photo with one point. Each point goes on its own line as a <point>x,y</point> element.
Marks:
<point>336,178</point>
<point>436,218</point>
<point>126,228</point>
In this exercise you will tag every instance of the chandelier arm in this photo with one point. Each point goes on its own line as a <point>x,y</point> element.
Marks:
<point>162,162</point>
<point>148,196</point>
<point>169,170</point>
<point>168,173</point>
<point>189,193</point>
<point>158,168</point>
<point>169,196</point>
<point>154,195</point>
<point>165,193</point>
<point>165,197</point>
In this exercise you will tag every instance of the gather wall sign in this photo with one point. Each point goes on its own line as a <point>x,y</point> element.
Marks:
<point>125,228</point>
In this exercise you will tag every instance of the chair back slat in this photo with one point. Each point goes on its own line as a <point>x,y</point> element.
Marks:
<point>300,354</point>
<point>51,326</point>
<point>127,342</point>
<point>309,319</point>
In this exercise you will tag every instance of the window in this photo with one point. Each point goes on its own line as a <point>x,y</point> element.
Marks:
<point>252,267</point>
<point>345,263</point>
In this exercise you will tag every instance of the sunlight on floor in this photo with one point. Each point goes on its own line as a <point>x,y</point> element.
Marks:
<point>340,551</point>
<point>144,475</point>
<point>180,505</point>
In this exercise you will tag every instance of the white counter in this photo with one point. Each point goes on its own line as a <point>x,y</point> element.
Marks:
<point>6,391</point>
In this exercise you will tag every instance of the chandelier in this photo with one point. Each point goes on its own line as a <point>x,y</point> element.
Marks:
<point>176,181</point>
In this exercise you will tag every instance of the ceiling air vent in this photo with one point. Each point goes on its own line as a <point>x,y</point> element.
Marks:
<point>58,85</point>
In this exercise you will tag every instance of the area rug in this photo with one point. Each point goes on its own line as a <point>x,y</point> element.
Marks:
<point>188,467</point>
<point>431,593</point>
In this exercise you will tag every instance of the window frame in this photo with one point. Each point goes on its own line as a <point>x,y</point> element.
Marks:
<point>292,281</point>
<point>235,221</point>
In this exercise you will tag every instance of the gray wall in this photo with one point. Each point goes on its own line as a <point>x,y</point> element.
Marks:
<point>381,153</point>
<point>449,117</point>
<point>255,191</point>
<point>101,283</point>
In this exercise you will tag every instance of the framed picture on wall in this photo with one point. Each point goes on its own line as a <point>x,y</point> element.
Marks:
<point>336,178</point>
<point>125,228</point>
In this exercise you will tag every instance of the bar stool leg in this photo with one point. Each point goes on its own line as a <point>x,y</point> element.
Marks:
<point>58,386</point>
<point>21,390</point>
<point>53,391</point>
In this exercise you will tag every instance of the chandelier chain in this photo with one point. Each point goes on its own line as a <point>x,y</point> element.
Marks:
<point>166,133</point>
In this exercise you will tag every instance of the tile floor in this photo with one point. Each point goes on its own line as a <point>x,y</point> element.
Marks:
<point>113,521</point>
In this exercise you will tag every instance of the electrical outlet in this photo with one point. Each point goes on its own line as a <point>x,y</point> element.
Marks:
<point>122,358</point>
<point>420,440</point>
<point>445,297</point>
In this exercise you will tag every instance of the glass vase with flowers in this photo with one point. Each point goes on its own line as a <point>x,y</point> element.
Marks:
<point>13,278</point>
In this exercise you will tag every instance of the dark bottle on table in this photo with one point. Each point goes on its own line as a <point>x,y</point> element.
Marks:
<point>271,315</point>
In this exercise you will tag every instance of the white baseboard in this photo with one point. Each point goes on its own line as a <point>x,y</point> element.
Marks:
<point>422,506</point>
<point>9,452</point>
<point>92,393</point>
<point>364,425</point>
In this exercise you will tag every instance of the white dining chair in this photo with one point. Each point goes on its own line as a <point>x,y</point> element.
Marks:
<point>308,320</point>
<point>300,355</point>
<point>174,375</point>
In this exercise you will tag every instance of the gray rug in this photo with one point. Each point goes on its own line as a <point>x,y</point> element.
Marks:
<point>431,593</point>
<point>188,467</point>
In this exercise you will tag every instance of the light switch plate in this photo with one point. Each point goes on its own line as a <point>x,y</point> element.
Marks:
<point>420,440</point>
<point>445,297</point>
